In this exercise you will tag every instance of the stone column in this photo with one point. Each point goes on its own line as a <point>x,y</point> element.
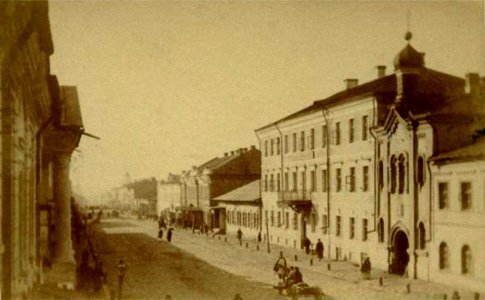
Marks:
<point>64,263</point>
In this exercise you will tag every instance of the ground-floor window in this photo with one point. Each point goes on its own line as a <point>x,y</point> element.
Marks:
<point>466,260</point>
<point>443,256</point>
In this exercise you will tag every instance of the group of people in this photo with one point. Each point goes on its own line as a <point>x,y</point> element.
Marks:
<point>288,275</point>
<point>318,247</point>
<point>163,225</point>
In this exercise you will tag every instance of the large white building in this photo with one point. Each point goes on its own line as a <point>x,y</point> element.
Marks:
<point>353,169</point>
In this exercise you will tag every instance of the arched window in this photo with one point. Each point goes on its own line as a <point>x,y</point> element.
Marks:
<point>443,256</point>
<point>393,174</point>
<point>380,231</point>
<point>422,236</point>
<point>466,260</point>
<point>381,174</point>
<point>420,171</point>
<point>402,173</point>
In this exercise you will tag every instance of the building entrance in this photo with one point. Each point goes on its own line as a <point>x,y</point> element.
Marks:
<point>400,256</point>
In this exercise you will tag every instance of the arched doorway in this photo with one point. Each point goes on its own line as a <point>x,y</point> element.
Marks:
<point>400,257</point>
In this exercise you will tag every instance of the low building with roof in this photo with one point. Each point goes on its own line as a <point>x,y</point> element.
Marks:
<point>242,209</point>
<point>215,177</point>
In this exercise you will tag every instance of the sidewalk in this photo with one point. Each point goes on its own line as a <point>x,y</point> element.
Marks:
<point>343,279</point>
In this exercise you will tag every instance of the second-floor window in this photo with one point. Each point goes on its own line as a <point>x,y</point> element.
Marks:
<point>352,180</point>
<point>338,179</point>
<point>365,178</point>
<point>272,147</point>
<point>337,133</point>
<point>286,143</point>
<point>265,148</point>
<point>286,183</point>
<point>351,130</point>
<point>352,228</point>
<point>338,224</point>
<point>278,184</point>
<point>365,226</point>
<point>278,146</point>
<point>443,195</point>
<point>466,195</point>
<point>295,181</point>
<point>294,142</point>
<point>271,183</point>
<point>324,224</point>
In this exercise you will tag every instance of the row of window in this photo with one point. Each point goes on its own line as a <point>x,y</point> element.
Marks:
<point>398,173</point>
<point>301,141</point>
<point>465,195</point>
<point>244,219</point>
<point>283,220</point>
<point>272,182</point>
<point>466,258</point>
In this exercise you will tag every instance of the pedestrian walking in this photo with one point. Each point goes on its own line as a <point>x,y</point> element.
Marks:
<point>160,233</point>
<point>169,234</point>
<point>122,267</point>
<point>239,235</point>
<point>307,243</point>
<point>259,237</point>
<point>319,249</point>
<point>366,268</point>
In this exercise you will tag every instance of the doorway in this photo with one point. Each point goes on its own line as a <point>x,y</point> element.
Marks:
<point>400,256</point>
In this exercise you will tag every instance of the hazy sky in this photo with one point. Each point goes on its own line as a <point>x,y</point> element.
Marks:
<point>167,85</point>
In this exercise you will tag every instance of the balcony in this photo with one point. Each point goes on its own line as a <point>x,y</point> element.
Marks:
<point>298,200</point>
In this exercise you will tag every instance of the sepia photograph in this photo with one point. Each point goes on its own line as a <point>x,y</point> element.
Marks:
<point>242,149</point>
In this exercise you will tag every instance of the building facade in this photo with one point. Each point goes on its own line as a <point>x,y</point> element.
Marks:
<point>351,169</point>
<point>214,178</point>
<point>41,126</point>
<point>242,208</point>
<point>169,195</point>
<point>458,216</point>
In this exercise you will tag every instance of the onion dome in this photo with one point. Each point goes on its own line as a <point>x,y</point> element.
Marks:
<point>409,57</point>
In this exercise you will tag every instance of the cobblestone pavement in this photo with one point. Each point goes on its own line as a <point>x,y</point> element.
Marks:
<point>343,281</point>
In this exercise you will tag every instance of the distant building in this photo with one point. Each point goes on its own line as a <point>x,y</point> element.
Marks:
<point>169,194</point>
<point>242,208</point>
<point>214,178</point>
<point>352,169</point>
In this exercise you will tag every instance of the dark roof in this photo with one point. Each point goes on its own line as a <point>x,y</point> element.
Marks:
<point>172,178</point>
<point>250,192</point>
<point>70,114</point>
<point>471,152</point>
<point>409,58</point>
<point>431,84</point>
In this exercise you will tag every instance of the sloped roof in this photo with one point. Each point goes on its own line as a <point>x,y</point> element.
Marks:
<point>250,192</point>
<point>471,152</point>
<point>70,108</point>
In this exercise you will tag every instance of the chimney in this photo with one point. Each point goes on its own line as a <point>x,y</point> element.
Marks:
<point>381,71</point>
<point>245,149</point>
<point>232,152</point>
<point>351,83</point>
<point>253,147</point>
<point>472,83</point>
<point>226,154</point>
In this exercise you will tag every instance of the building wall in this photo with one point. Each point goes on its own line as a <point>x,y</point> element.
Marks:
<point>25,103</point>
<point>458,227</point>
<point>244,216</point>
<point>356,204</point>
<point>168,196</point>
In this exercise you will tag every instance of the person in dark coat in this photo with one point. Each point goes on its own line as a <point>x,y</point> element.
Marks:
<point>319,249</point>
<point>160,233</point>
<point>169,234</point>
<point>239,235</point>
<point>307,244</point>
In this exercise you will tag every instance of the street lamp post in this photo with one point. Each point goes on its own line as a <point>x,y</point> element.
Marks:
<point>121,276</point>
